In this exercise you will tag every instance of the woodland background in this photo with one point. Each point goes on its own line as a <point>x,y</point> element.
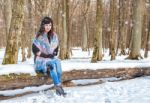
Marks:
<point>106,30</point>
<point>100,24</point>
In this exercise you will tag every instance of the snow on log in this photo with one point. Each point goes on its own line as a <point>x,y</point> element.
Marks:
<point>15,81</point>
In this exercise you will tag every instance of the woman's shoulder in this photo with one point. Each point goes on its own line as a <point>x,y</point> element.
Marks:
<point>40,37</point>
<point>54,33</point>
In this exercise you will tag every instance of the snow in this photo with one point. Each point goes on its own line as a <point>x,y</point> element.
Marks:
<point>24,90</point>
<point>129,91</point>
<point>79,60</point>
<point>85,81</point>
<point>17,69</point>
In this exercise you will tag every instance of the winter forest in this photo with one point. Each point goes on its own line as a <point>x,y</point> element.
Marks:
<point>103,48</point>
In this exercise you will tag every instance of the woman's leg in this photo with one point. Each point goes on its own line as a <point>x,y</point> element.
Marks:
<point>53,72</point>
<point>56,72</point>
<point>58,69</point>
<point>59,89</point>
<point>39,66</point>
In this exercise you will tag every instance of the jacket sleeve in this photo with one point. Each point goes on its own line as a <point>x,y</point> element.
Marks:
<point>56,51</point>
<point>35,49</point>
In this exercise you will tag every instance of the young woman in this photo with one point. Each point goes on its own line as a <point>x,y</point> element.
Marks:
<point>45,48</point>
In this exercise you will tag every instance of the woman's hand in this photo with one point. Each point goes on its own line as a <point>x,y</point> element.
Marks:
<point>46,55</point>
<point>50,56</point>
<point>38,53</point>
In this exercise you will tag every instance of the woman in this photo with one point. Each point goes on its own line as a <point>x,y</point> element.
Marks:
<point>45,48</point>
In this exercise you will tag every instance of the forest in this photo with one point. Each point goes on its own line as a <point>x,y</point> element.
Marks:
<point>98,39</point>
<point>115,25</point>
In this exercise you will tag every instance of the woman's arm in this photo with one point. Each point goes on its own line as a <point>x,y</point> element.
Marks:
<point>37,52</point>
<point>56,51</point>
<point>35,49</point>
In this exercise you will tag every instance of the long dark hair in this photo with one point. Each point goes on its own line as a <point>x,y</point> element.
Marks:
<point>45,20</point>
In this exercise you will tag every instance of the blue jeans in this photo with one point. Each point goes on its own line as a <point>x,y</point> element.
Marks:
<point>55,71</point>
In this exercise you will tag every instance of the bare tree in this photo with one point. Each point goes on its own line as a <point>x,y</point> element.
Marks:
<point>113,28</point>
<point>123,24</point>
<point>30,25</point>
<point>84,11</point>
<point>147,42</point>
<point>137,30</point>
<point>23,42</point>
<point>7,15</point>
<point>97,53</point>
<point>64,42</point>
<point>147,28</point>
<point>68,28</point>
<point>11,53</point>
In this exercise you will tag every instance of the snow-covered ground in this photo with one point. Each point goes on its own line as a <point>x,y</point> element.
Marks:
<point>129,91</point>
<point>79,60</point>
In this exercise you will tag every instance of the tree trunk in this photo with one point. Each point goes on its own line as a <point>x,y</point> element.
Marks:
<point>45,6</point>
<point>84,43</point>
<point>11,53</point>
<point>84,33</point>
<point>130,30</point>
<point>120,25</point>
<point>97,53</point>
<point>112,26</point>
<point>64,42</point>
<point>23,42</point>
<point>30,27</point>
<point>7,15</point>
<point>137,30</point>
<point>147,41</point>
<point>124,25</point>
<point>68,29</point>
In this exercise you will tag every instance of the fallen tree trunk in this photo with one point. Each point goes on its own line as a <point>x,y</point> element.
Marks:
<point>15,81</point>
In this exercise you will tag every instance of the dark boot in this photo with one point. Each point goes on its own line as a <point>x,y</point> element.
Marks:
<point>64,93</point>
<point>60,91</point>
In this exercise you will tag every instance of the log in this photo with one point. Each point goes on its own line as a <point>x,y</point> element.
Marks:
<point>18,81</point>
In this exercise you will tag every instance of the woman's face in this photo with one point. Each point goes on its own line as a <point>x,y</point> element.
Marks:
<point>47,27</point>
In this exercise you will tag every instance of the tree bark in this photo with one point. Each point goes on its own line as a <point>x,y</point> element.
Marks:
<point>137,30</point>
<point>23,42</point>
<point>68,29</point>
<point>11,53</point>
<point>64,42</point>
<point>30,26</point>
<point>113,29</point>
<point>15,81</point>
<point>147,41</point>
<point>7,15</point>
<point>85,33</point>
<point>84,11</point>
<point>97,53</point>
<point>124,25</point>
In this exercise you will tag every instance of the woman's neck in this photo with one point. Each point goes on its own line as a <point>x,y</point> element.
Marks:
<point>45,32</point>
